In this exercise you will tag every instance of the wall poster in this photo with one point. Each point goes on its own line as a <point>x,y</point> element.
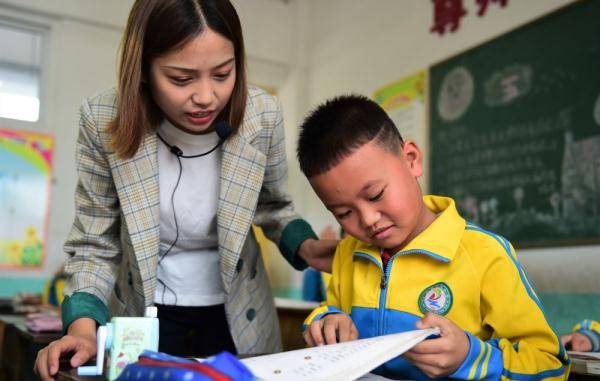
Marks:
<point>25,180</point>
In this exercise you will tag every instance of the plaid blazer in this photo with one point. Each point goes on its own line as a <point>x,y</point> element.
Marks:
<point>114,242</point>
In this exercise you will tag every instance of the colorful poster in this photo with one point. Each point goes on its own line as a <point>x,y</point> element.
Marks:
<point>25,175</point>
<point>404,101</point>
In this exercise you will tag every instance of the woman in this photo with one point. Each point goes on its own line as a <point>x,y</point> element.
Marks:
<point>174,167</point>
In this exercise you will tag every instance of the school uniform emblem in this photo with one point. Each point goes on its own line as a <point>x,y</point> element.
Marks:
<point>436,298</point>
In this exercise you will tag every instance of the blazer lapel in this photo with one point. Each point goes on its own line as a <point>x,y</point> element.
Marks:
<point>242,172</point>
<point>136,180</point>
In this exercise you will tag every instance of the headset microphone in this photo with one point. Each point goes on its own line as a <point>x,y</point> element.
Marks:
<point>176,151</point>
<point>223,129</point>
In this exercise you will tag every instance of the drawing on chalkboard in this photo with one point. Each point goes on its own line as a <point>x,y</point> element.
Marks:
<point>581,183</point>
<point>597,111</point>
<point>507,85</point>
<point>456,94</point>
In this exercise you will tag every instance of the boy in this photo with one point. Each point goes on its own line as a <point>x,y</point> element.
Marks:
<point>412,262</point>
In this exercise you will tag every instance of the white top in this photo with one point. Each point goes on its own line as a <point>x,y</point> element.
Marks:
<point>191,268</point>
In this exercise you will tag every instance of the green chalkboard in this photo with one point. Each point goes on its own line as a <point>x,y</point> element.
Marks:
<point>515,130</point>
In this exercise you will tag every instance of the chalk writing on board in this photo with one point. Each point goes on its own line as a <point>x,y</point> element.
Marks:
<point>511,161</point>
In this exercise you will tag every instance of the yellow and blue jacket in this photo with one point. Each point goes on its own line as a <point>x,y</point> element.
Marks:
<point>591,330</point>
<point>461,271</point>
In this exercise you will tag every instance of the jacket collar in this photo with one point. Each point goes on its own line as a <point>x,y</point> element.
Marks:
<point>439,241</point>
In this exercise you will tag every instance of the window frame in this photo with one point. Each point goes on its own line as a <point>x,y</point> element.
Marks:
<point>25,24</point>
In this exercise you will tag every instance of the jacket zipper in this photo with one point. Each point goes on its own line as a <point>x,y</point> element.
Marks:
<point>382,297</point>
<point>385,277</point>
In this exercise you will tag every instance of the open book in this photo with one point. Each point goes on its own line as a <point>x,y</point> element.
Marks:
<point>342,361</point>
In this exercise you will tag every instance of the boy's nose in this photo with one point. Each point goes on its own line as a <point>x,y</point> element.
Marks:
<point>369,218</point>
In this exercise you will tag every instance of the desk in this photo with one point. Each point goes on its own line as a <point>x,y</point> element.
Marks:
<point>583,377</point>
<point>291,315</point>
<point>19,348</point>
<point>70,374</point>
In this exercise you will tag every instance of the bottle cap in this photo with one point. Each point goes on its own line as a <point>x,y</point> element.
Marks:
<point>151,312</point>
<point>96,370</point>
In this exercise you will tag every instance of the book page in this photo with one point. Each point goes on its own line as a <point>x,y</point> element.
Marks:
<point>374,377</point>
<point>585,355</point>
<point>342,361</point>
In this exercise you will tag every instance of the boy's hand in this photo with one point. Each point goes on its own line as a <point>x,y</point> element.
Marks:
<point>576,342</point>
<point>444,355</point>
<point>318,254</point>
<point>334,328</point>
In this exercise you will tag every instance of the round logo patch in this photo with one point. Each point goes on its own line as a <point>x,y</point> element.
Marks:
<point>436,299</point>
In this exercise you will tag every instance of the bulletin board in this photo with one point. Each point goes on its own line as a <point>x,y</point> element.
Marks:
<point>404,101</point>
<point>515,130</point>
<point>25,180</point>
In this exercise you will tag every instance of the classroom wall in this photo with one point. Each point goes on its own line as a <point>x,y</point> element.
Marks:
<point>80,60</point>
<point>307,50</point>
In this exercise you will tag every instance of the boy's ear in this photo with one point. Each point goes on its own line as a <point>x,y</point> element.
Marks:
<point>414,157</point>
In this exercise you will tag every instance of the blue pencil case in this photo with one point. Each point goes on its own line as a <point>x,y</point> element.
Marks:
<point>153,366</point>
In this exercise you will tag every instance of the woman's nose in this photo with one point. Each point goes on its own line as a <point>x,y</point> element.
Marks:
<point>203,94</point>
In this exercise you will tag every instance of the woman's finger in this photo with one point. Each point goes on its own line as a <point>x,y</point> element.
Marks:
<point>41,365</point>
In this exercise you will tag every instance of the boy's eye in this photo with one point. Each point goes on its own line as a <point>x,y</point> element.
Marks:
<point>342,215</point>
<point>378,196</point>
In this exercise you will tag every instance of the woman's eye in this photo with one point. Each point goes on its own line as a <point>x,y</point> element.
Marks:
<point>222,76</point>
<point>378,196</point>
<point>180,80</point>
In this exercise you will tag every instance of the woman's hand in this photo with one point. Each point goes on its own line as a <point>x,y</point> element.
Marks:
<point>81,341</point>
<point>318,254</point>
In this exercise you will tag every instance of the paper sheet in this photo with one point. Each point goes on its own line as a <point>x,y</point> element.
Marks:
<point>586,355</point>
<point>342,361</point>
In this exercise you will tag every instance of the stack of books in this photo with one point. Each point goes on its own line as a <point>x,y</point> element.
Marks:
<point>585,362</point>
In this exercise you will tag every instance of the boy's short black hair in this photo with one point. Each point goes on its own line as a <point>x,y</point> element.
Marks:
<point>339,126</point>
